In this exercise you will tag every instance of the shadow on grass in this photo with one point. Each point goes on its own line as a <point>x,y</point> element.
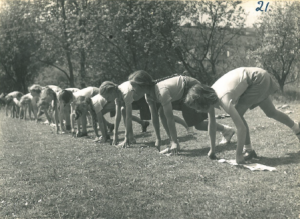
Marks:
<point>204,151</point>
<point>293,158</point>
<point>142,135</point>
<point>165,142</point>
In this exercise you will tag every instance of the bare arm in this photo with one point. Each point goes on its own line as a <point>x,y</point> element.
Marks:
<point>168,111</point>
<point>240,126</point>
<point>102,125</point>
<point>155,122</point>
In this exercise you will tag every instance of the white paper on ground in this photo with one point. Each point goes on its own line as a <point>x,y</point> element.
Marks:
<point>251,166</point>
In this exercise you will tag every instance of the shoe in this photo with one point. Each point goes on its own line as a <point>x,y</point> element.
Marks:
<point>144,127</point>
<point>249,154</point>
<point>227,135</point>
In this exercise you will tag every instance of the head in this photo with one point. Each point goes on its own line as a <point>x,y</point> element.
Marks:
<point>46,97</point>
<point>109,90</point>
<point>25,100</point>
<point>201,97</point>
<point>19,95</point>
<point>35,90</point>
<point>142,82</point>
<point>65,96</point>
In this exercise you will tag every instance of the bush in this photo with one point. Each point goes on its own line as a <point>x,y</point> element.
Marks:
<point>290,93</point>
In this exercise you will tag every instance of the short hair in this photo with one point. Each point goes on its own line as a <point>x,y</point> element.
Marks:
<point>47,92</point>
<point>65,96</point>
<point>36,88</point>
<point>142,78</point>
<point>201,95</point>
<point>107,87</point>
<point>25,99</point>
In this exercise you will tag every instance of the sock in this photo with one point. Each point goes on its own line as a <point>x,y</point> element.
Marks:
<point>248,147</point>
<point>296,128</point>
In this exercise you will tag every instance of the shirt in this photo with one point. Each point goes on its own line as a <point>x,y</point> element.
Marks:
<point>168,90</point>
<point>127,92</point>
<point>86,92</point>
<point>234,84</point>
<point>98,102</point>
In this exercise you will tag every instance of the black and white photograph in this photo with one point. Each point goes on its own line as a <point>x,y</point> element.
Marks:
<point>162,109</point>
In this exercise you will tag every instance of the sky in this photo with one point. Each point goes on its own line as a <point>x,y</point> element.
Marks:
<point>250,9</point>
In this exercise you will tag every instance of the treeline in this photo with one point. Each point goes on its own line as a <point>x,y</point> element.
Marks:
<point>86,42</point>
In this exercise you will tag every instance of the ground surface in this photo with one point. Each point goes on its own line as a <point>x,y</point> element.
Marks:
<point>57,176</point>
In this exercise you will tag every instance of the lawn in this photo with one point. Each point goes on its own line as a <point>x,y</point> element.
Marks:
<point>44,175</point>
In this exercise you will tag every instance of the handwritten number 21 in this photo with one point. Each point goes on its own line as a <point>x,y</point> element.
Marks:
<point>261,3</point>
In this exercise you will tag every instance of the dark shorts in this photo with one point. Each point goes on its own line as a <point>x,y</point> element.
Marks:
<point>143,107</point>
<point>261,86</point>
<point>190,116</point>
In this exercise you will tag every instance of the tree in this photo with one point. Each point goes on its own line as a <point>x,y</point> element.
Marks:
<point>132,35</point>
<point>216,25</point>
<point>17,46</point>
<point>278,51</point>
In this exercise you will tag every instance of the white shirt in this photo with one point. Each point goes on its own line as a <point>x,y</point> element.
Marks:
<point>127,92</point>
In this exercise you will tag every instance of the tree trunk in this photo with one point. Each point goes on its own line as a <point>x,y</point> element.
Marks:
<point>281,85</point>
<point>70,65</point>
<point>82,23</point>
<point>67,46</point>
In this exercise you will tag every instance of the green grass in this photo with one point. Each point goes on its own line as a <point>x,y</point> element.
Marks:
<point>57,176</point>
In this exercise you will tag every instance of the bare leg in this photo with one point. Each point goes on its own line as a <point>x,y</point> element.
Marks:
<point>21,111</point>
<point>67,112</point>
<point>269,109</point>
<point>180,121</point>
<point>242,110</point>
<point>164,122</point>
<point>24,112</point>
<point>78,124</point>
<point>84,121</point>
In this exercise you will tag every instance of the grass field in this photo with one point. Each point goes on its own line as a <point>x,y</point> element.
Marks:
<point>44,175</point>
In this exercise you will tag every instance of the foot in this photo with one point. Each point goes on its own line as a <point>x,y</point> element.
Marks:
<point>249,154</point>
<point>227,133</point>
<point>144,126</point>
